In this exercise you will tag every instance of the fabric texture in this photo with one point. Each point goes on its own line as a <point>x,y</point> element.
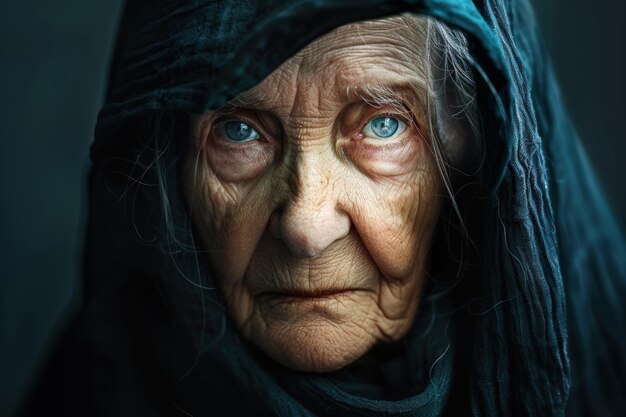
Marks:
<point>543,333</point>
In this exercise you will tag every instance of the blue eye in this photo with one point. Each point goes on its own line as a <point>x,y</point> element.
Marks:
<point>237,131</point>
<point>384,127</point>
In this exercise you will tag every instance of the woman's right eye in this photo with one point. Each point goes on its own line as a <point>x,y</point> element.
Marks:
<point>237,131</point>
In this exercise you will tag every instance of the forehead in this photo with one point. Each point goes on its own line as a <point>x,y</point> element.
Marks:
<point>388,52</point>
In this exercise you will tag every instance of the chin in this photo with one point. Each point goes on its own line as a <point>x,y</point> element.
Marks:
<point>315,345</point>
<point>314,333</point>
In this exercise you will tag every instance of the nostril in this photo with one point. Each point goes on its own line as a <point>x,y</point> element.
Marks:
<point>301,247</point>
<point>308,232</point>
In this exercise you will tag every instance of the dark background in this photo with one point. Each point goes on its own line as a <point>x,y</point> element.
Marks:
<point>53,63</point>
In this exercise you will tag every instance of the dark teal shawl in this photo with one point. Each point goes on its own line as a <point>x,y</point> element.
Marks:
<point>544,334</point>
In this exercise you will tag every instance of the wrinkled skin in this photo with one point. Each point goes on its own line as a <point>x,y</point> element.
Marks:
<point>318,233</point>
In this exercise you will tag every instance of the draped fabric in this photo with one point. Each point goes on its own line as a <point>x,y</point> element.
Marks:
<point>543,333</point>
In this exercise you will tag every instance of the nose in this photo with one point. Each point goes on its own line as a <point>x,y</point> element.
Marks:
<point>310,221</point>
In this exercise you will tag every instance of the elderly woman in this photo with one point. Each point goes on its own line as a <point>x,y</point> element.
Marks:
<point>340,208</point>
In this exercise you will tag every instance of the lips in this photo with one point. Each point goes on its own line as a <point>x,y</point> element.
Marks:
<point>302,295</point>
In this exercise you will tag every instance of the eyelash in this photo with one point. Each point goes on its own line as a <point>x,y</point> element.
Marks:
<point>229,118</point>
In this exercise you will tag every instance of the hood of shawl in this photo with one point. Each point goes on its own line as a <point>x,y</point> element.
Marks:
<point>195,55</point>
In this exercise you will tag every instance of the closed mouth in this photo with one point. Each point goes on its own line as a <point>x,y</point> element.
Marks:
<point>304,295</point>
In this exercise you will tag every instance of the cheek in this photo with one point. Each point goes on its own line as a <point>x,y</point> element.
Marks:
<point>229,217</point>
<point>397,219</point>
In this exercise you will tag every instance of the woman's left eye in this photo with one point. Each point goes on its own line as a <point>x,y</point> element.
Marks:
<point>237,131</point>
<point>384,127</point>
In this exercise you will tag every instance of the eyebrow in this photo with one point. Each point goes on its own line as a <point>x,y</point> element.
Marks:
<point>377,94</point>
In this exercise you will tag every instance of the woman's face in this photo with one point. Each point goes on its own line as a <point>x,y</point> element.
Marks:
<point>315,195</point>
